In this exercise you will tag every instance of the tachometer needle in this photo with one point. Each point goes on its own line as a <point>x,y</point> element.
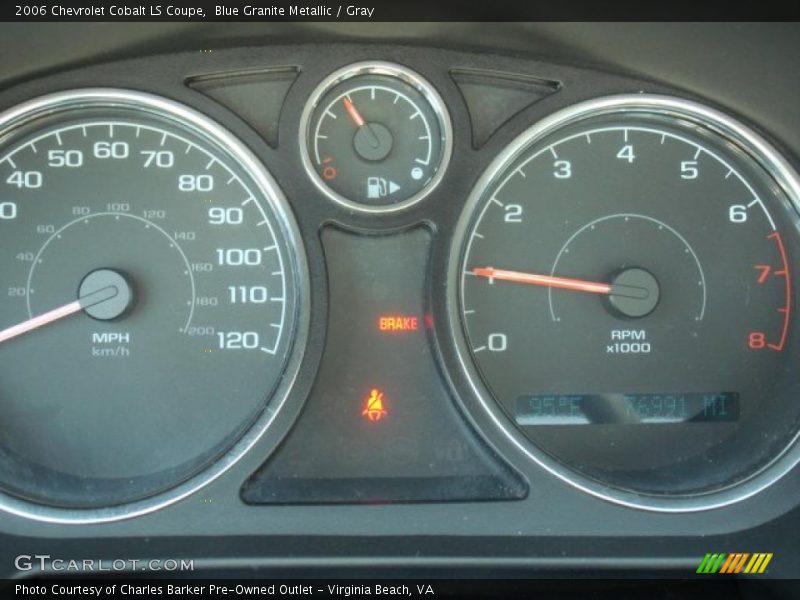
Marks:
<point>102,295</point>
<point>353,112</point>
<point>564,283</point>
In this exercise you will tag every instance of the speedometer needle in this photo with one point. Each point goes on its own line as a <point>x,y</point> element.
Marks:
<point>102,295</point>
<point>564,283</point>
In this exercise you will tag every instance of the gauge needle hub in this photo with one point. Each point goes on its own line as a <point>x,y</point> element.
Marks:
<point>564,283</point>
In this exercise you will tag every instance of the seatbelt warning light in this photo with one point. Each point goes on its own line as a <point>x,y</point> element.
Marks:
<point>374,408</point>
<point>397,323</point>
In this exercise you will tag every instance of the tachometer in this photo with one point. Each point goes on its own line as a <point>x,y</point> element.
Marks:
<point>625,290</point>
<point>152,295</point>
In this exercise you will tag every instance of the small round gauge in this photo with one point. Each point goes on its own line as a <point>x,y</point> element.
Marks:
<point>152,311</point>
<point>624,287</point>
<point>375,137</point>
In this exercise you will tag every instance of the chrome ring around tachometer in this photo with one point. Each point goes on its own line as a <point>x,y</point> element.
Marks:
<point>744,143</point>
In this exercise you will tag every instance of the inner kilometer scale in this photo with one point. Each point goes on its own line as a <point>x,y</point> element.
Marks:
<point>376,137</point>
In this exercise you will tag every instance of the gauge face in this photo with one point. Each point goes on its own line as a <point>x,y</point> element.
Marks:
<point>150,298</point>
<point>625,291</point>
<point>375,137</point>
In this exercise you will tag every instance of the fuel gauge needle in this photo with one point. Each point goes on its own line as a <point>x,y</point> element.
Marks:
<point>359,121</point>
<point>353,112</point>
<point>51,316</point>
<point>564,283</point>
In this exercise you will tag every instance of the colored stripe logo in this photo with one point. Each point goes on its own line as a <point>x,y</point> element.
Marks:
<point>735,562</point>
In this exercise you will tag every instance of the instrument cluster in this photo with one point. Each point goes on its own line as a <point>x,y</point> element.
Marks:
<point>389,280</point>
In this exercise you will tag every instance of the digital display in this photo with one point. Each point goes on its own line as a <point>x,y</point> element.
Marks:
<point>601,409</point>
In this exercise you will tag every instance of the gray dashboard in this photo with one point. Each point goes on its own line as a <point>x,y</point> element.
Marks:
<point>525,521</point>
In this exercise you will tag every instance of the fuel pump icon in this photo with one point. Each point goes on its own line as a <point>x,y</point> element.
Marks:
<point>378,187</point>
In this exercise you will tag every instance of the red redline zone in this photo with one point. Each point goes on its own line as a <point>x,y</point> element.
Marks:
<point>786,309</point>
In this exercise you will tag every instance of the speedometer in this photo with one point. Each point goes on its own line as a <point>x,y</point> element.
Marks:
<point>152,302</point>
<point>624,287</point>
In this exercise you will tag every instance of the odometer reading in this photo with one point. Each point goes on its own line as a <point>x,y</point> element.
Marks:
<point>629,246</point>
<point>148,308</point>
<point>627,409</point>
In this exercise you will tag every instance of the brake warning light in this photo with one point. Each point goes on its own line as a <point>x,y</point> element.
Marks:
<point>374,409</point>
<point>397,323</point>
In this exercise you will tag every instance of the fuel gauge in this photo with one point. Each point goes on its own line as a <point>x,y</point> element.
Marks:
<point>375,137</point>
